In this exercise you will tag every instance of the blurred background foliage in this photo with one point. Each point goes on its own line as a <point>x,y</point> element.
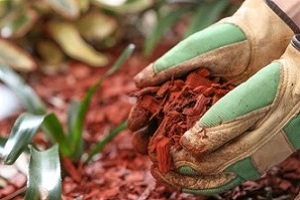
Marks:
<point>48,32</point>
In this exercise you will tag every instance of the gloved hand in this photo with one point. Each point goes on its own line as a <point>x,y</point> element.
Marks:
<point>233,48</point>
<point>249,130</point>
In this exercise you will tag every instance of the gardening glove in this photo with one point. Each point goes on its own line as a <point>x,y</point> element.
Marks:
<point>249,130</point>
<point>233,48</point>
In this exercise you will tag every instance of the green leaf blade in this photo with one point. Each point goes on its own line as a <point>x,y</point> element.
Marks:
<point>21,135</point>
<point>25,128</point>
<point>27,96</point>
<point>75,136</point>
<point>106,139</point>
<point>44,181</point>
<point>54,129</point>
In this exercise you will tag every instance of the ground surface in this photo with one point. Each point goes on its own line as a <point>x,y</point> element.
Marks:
<point>119,172</point>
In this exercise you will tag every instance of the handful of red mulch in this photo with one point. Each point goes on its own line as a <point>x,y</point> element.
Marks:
<point>169,110</point>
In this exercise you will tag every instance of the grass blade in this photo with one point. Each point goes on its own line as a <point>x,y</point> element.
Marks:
<point>122,58</point>
<point>44,181</point>
<point>29,99</point>
<point>75,132</point>
<point>105,140</point>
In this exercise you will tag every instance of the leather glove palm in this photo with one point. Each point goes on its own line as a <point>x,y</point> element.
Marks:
<point>251,129</point>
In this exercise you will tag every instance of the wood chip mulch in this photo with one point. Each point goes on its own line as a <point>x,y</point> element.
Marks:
<point>174,107</point>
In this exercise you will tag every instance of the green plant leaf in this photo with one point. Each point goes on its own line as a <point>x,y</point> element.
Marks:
<point>44,179</point>
<point>73,114</point>
<point>54,129</point>
<point>66,8</point>
<point>126,8</point>
<point>17,23</point>
<point>163,23</point>
<point>75,132</point>
<point>106,139</point>
<point>68,37</point>
<point>96,26</point>
<point>27,96</point>
<point>24,129</point>
<point>2,143</point>
<point>16,57</point>
<point>205,15</point>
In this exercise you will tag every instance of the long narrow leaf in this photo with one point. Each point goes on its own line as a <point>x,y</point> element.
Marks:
<point>205,15</point>
<point>54,129</point>
<point>21,135</point>
<point>2,144</point>
<point>73,115</point>
<point>25,128</point>
<point>105,140</point>
<point>44,179</point>
<point>75,132</point>
<point>29,99</point>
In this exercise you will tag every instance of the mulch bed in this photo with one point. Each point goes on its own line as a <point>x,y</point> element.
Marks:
<point>119,172</point>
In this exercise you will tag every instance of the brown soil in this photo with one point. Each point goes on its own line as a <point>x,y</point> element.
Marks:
<point>173,108</point>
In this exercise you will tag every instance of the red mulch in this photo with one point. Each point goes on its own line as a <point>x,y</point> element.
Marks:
<point>172,108</point>
<point>119,172</point>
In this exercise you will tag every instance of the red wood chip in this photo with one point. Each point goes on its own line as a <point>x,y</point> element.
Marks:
<point>176,106</point>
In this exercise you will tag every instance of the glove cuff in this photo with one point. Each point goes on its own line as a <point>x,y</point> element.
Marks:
<point>288,11</point>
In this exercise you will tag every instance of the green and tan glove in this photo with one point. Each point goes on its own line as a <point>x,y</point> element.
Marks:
<point>234,48</point>
<point>251,129</point>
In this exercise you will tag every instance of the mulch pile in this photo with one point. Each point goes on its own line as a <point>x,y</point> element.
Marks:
<point>172,108</point>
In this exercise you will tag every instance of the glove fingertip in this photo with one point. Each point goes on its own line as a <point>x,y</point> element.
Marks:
<point>145,77</point>
<point>193,141</point>
<point>140,141</point>
<point>138,118</point>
